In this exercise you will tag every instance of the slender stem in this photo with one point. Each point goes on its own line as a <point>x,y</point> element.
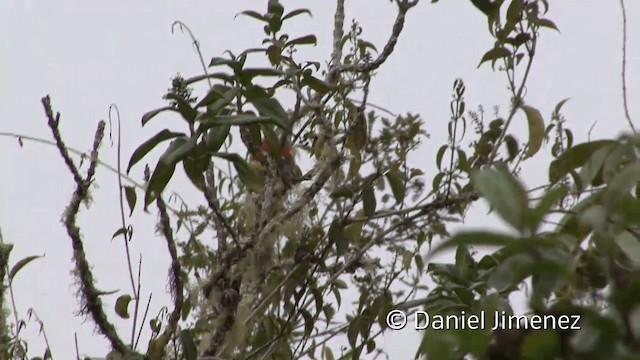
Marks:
<point>125,234</point>
<point>624,66</point>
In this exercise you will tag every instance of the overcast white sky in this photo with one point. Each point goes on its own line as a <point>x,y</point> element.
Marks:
<point>89,55</point>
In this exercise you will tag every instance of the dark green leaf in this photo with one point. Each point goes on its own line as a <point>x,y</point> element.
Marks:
<point>440,154</point>
<point>593,167</point>
<point>219,96</point>
<point>188,345</point>
<point>474,238</point>
<point>296,12</point>
<point>575,157</point>
<point>336,236</point>
<point>303,40</point>
<point>368,198</point>
<point>253,14</point>
<point>352,332</point>
<point>230,120</point>
<point>308,322</point>
<point>510,272</point>
<point>184,108</point>
<point>121,231</point>
<point>495,54</point>
<point>131,196</point>
<point>316,84</point>
<point>271,108</point>
<point>149,115</point>
<point>163,171</point>
<point>514,12</point>
<point>559,106</point>
<point>249,177</point>
<point>216,137</point>
<point>194,172</point>
<point>550,199</point>
<point>541,345</point>
<point>504,193</point>
<point>250,73</point>
<point>546,23</point>
<point>149,145</point>
<point>217,61</point>
<point>625,180</point>
<point>217,75</point>
<point>20,264</point>
<point>397,184</point>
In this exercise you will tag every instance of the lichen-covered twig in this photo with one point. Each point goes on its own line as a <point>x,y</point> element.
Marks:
<point>5,338</point>
<point>91,304</point>
<point>175,274</point>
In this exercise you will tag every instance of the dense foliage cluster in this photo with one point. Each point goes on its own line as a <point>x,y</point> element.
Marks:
<point>316,199</point>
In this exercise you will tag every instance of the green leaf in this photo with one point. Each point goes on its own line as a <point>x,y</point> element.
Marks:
<point>151,114</point>
<point>165,168</point>
<point>510,272</point>
<point>122,305</point>
<point>624,181</point>
<point>253,14</point>
<point>495,54</point>
<point>249,177</point>
<point>541,345</point>
<point>308,322</point>
<point>131,196</point>
<point>504,193</point>
<point>149,145</point>
<point>121,231</point>
<point>368,198</point>
<point>216,75</point>
<point>271,108</point>
<point>474,238</point>
<point>559,106</point>
<point>218,97</point>
<point>250,73</point>
<point>188,345</point>
<point>316,84</point>
<point>440,155</point>
<point>546,23</point>
<point>336,236</point>
<point>550,199</point>
<point>296,12</point>
<point>194,172</point>
<point>353,330</point>
<point>20,264</point>
<point>216,137</point>
<point>341,192</point>
<point>327,353</point>
<point>230,120</point>
<point>397,184</point>
<point>593,167</point>
<point>184,108</point>
<point>303,40</point>
<point>514,12</point>
<point>217,61</point>
<point>575,157</point>
<point>536,130</point>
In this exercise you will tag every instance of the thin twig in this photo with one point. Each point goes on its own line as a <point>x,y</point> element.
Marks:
<point>624,66</point>
<point>125,234</point>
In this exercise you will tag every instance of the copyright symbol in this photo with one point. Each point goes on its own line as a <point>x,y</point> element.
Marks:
<point>396,319</point>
